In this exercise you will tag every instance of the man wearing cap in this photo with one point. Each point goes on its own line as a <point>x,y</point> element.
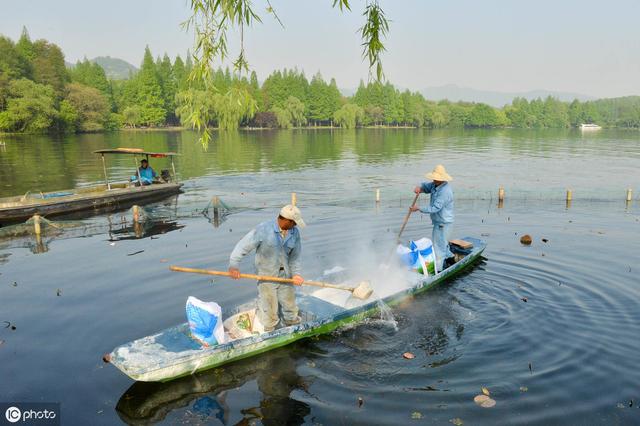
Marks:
<point>441,211</point>
<point>277,246</point>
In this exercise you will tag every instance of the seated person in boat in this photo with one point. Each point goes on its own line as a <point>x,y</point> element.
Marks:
<point>147,174</point>
<point>441,211</point>
<point>277,246</point>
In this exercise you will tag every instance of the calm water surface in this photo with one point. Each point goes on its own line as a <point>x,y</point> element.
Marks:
<point>566,355</point>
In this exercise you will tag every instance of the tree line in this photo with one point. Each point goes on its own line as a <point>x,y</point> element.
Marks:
<point>39,94</point>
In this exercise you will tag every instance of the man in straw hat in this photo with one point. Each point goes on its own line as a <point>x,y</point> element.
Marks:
<point>441,211</point>
<point>277,246</point>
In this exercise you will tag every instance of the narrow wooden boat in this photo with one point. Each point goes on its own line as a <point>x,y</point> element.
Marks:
<point>109,194</point>
<point>172,353</point>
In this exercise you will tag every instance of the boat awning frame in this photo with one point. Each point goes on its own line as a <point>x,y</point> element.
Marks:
<point>135,151</point>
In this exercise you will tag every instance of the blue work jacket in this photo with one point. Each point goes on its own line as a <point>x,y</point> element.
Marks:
<point>441,203</point>
<point>272,251</point>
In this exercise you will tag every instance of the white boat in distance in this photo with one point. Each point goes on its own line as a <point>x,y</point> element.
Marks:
<point>589,126</point>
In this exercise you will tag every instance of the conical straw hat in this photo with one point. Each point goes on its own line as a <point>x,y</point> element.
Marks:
<point>439,173</point>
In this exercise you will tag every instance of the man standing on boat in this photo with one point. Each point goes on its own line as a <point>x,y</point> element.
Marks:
<point>441,211</point>
<point>277,245</point>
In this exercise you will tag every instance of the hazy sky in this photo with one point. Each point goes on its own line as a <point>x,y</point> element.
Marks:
<point>587,46</point>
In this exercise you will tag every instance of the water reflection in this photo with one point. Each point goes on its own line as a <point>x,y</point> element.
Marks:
<point>205,395</point>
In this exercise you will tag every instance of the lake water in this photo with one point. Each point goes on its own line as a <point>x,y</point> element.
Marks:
<point>550,329</point>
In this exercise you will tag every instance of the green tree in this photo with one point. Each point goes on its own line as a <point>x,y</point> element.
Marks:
<point>49,67</point>
<point>349,116</point>
<point>149,92</point>
<point>91,105</point>
<point>296,109</point>
<point>30,107</point>
<point>12,63</point>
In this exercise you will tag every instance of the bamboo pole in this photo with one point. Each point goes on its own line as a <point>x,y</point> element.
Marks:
<point>569,195</point>
<point>378,196</point>
<point>173,167</point>
<point>104,168</point>
<point>136,214</point>
<point>629,195</point>
<point>36,224</point>
<point>294,198</point>
<point>501,194</point>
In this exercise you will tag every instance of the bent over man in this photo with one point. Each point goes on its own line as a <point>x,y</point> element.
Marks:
<point>277,245</point>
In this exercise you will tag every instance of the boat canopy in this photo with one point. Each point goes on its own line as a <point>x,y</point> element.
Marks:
<point>135,151</point>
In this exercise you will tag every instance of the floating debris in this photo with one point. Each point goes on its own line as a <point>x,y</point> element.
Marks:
<point>135,252</point>
<point>486,391</point>
<point>15,284</point>
<point>523,389</point>
<point>484,401</point>
<point>524,299</point>
<point>112,244</point>
<point>630,403</point>
<point>457,421</point>
<point>408,355</point>
<point>526,240</point>
<point>360,401</point>
<point>620,405</point>
<point>59,292</point>
<point>479,399</point>
<point>530,368</point>
<point>545,240</point>
<point>311,364</point>
<point>9,325</point>
<point>416,415</point>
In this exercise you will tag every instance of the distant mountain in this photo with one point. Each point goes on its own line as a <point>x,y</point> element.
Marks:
<point>456,93</point>
<point>115,68</point>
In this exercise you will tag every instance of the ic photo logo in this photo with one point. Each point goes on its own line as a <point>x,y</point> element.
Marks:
<point>13,414</point>
<point>30,413</point>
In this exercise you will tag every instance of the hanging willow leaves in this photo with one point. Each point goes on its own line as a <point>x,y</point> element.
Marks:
<point>373,31</point>
<point>212,19</point>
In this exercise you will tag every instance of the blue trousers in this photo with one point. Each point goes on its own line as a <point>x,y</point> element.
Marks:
<point>440,238</point>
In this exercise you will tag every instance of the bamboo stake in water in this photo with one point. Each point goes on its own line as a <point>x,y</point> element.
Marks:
<point>629,194</point>
<point>294,198</point>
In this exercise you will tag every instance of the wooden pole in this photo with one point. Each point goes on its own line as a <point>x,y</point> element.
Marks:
<point>569,195</point>
<point>36,224</point>
<point>501,194</point>
<point>216,210</point>
<point>294,198</point>
<point>136,214</point>
<point>104,168</point>
<point>378,196</point>
<point>173,167</point>
<point>629,194</point>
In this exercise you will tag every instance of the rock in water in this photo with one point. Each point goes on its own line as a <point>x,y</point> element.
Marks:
<point>526,239</point>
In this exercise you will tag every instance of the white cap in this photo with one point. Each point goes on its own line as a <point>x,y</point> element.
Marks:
<point>292,213</point>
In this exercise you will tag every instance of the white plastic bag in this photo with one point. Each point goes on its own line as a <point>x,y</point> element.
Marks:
<point>419,256</point>
<point>205,321</point>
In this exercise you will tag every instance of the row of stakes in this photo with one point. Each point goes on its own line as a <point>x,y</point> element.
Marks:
<point>37,219</point>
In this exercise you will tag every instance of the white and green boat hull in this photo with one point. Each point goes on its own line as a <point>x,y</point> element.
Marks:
<point>172,353</point>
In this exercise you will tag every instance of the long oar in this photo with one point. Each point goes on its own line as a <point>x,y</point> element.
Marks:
<point>406,218</point>
<point>404,224</point>
<point>362,291</point>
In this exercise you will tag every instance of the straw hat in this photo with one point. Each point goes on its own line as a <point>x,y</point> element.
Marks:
<point>439,174</point>
<point>292,213</point>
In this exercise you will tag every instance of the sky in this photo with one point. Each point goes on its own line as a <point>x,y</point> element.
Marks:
<point>587,47</point>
